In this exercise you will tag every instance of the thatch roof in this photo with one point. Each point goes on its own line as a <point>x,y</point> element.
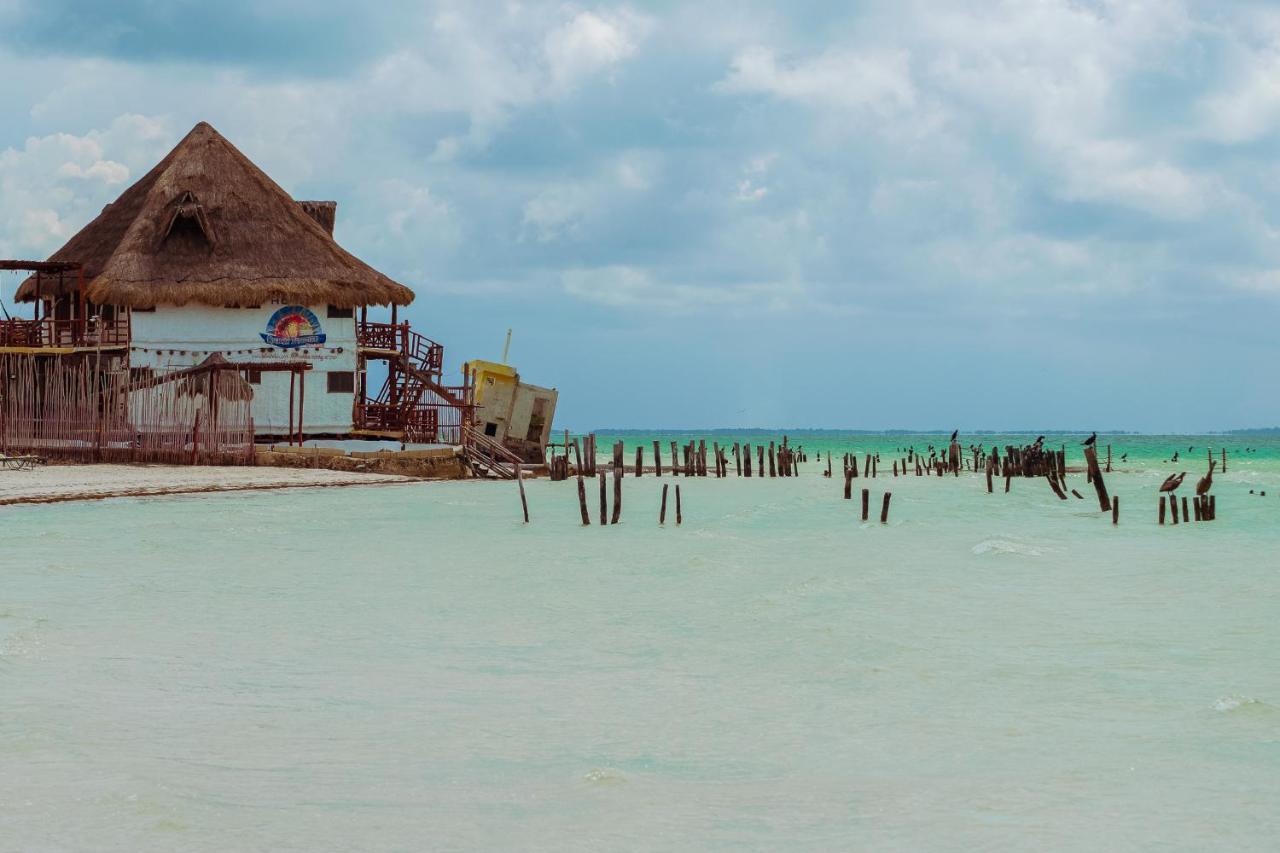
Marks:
<point>208,226</point>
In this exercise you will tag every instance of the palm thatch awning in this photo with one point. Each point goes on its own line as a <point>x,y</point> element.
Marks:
<point>207,226</point>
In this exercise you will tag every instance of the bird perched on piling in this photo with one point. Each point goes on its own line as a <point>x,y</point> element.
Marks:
<point>1171,484</point>
<point>1206,482</point>
<point>954,434</point>
<point>1089,442</point>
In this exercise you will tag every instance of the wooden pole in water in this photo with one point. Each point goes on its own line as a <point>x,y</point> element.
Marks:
<point>1213,507</point>
<point>866,504</point>
<point>657,458</point>
<point>746,460</point>
<point>662,513</point>
<point>679,512</point>
<point>884,508</point>
<point>1173,508</point>
<point>639,460</point>
<point>760,459</point>
<point>1115,510</point>
<point>524,504</point>
<point>617,495</point>
<point>604,501</point>
<point>582,502</point>
<point>848,484</point>
<point>1104,500</point>
<point>990,489</point>
<point>737,458</point>
<point>577,457</point>
<point>773,470</point>
<point>675,461</point>
<point>1162,502</point>
<point>1186,516</point>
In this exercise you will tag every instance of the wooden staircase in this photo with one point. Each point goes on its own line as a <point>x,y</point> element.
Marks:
<point>413,400</point>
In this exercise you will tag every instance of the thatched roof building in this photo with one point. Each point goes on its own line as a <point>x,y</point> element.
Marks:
<point>207,226</point>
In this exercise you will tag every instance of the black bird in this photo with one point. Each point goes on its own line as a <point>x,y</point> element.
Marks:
<point>1172,483</point>
<point>1089,442</point>
<point>1040,440</point>
<point>954,434</point>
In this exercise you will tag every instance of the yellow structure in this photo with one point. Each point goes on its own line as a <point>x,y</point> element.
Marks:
<point>514,413</point>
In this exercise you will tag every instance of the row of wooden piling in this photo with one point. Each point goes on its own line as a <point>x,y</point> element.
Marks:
<point>1205,508</point>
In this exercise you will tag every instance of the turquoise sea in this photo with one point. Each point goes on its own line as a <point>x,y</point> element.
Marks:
<point>410,667</point>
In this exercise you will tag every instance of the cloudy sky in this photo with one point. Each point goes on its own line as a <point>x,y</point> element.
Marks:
<point>1033,213</point>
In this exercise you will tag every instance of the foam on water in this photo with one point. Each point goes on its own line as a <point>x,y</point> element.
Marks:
<point>413,668</point>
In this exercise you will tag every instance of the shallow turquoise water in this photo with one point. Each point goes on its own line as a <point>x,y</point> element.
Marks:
<point>409,667</point>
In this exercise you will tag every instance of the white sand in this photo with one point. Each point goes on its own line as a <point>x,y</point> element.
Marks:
<point>80,482</point>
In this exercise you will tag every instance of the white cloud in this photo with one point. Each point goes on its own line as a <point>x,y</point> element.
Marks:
<point>54,184</point>
<point>875,80</point>
<point>590,43</point>
<point>622,286</point>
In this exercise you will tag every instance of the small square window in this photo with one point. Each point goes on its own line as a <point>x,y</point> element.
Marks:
<point>490,429</point>
<point>253,377</point>
<point>336,313</point>
<point>342,382</point>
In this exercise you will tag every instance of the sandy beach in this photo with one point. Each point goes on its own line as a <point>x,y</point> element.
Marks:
<point>55,483</point>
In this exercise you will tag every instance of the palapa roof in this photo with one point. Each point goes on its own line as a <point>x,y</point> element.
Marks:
<point>207,226</point>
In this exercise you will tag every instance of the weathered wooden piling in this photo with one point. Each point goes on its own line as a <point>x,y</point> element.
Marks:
<point>760,459</point>
<point>848,484</point>
<point>639,460</point>
<point>884,508</point>
<point>990,488</point>
<point>618,461</point>
<point>1213,506</point>
<point>657,459</point>
<point>773,468</point>
<point>582,502</point>
<point>675,461</point>
<point>866,504</point>
<point>746,460</point>
<point>617,495</point>
<point>1186,516</point>
<point>1095,475</point>
<point>577,457</point>
<point>662,512</point>
<point>524,504</point>
<point>1115,510</point>
<point>604,500</point>
<point>1162,503</point>
<point>1173,508</point>
<point>737,458</point>
<point>679,511</point>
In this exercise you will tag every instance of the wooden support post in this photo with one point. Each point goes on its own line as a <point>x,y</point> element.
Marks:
<point>657,458</point>
<point>675,461</point>
<point>848,484</point>
<point>746,460</point>
<point>884,508</point>
<point>1213,507</point>
<point>866,504</point>
<point>662,512</point>
<point>639,459</point>
<point>679,511</point>
<point>1199,511</point>
<point>1186,516</point>
<point>1108,459</point>
<point>990,466</point>
<point>618,462</point>
<point>1224,460</point>
<point>773,470</point>
<point>1173,508</point>
<point>582,501</point>
<point>604,501</point>
<point>1095,475</point>
<point>760,459</point>
<point>577,457</point>
<point>1162,502</point>
<point>737,458</point>
<point>524,504</point>
<point>1115,510</point>
<point>617,495</point>
<point>293,377</point>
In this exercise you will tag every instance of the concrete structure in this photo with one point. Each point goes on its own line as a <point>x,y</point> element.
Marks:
<point>514,413</point>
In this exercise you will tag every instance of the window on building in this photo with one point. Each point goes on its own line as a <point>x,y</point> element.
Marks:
<point>253,377</point>
<point>336,313</point>
<point>342,382</point>
<point>490,429</point>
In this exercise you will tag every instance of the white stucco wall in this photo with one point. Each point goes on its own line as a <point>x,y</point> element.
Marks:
<point>175,337</point>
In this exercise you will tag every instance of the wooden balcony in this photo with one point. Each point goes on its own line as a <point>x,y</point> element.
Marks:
<point>88,333</point>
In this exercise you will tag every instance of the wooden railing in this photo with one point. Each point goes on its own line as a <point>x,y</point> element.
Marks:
<point>483,453</point>
<point>424,352</point>
<point>90,332</point>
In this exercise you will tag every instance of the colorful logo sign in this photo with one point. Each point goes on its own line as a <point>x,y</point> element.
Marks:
<point>293,326</point>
